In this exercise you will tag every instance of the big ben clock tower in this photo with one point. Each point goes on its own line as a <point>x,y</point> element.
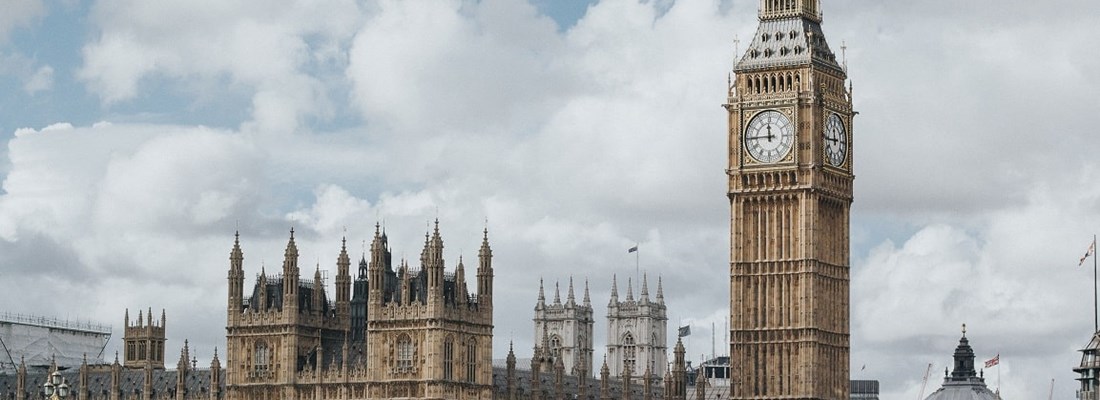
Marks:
<point>790,190</point>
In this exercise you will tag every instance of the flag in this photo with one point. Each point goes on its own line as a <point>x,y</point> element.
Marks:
<point>1089,252</point>
<point>632,249</point>
<point>993,361</point>
<point>863,367</point>
<point>685,330</point>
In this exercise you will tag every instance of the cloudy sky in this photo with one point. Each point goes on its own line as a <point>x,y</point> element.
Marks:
<point>139,135</point>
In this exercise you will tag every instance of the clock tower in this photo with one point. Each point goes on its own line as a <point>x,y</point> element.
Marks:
<point>790,191</point>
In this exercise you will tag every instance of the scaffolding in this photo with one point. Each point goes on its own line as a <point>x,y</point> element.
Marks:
<point>39,341</point>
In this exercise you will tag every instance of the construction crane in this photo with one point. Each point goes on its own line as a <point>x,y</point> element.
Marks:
<point>924,382</point>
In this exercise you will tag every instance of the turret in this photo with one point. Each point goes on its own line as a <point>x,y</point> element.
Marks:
<point>215,376</point>
<point>290,276</point>
<point>236,278</point>
<point>431,261</point>
<point>183,369</point>
<point>605,381</point>
<point>461,296</point>
<point>645,289</point>
<point>379,265</point>
<point>343,282</point>
<point>679,372</point>
<point>557,294</point>
<point>318,305</point>
<point>485,273</point>
<point>629,290</point>
<point>510,363</point>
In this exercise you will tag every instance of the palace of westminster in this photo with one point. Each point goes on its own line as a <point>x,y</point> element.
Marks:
<point>420,332</point>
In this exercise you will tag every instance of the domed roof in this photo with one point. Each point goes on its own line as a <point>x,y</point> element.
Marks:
<point>963,383</point>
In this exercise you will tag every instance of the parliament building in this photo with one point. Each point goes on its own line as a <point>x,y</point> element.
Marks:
<point>422,335</point>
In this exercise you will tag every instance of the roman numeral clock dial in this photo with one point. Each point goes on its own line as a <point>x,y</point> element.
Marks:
<point>836,141</point>
<point>769,136</point>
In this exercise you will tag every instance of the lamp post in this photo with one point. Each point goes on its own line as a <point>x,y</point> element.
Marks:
<point>56,387</point>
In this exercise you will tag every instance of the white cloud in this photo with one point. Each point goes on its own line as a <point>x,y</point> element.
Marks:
<point>42,80</point>
<point>269,47</point>
<point>19,13</point>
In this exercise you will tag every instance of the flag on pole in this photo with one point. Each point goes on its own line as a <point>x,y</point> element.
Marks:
<point>1089,252</point>
<point>993,361</point>
<point>685,330</point>
<point>632,249</point>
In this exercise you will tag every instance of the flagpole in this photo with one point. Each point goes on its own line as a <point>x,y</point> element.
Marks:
<point>1095,302</point>
<point>637,274</point>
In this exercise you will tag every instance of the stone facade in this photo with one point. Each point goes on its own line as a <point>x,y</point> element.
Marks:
<point>565,329</point>
<point>425,335</point>
<point>637,331</point>
<point>790,191</point>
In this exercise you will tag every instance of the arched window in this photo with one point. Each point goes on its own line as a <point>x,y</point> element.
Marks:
<point>629,351</point>
<point>448,357</point>
<point>261,357</point>
<point>471,361</point>
<point>404,354</point>
<point>555,346</point>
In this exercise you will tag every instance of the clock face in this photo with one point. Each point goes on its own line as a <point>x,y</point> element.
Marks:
<point>769,136</point>
<point>836,141</point>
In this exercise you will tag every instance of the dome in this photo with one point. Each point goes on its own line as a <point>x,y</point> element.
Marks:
<point>963,383</point>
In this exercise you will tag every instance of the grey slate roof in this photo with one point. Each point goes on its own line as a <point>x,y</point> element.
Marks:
<point>784,43</point>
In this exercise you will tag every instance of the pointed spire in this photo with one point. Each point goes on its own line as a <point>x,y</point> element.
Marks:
<point>127,318</point>
<point>629,290</point>
<point>614,289</point>
<point>660,291</point>
<point>557,294</point>
<point>236,255</point>
<point>149,317</point>
<point>645,288</point>
<point>542,297</point>
<point>215,363</point>
<point>570,299</point>
<point>587,299</point>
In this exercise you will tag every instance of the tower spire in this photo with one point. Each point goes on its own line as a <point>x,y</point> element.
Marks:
<point>660,291</point>
<point>587,299</point>
<point>614,289</point>
<point>542,297</point>
<point>570,300</point>
<point>557,294</point>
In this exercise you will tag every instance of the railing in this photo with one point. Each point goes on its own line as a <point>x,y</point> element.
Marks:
<point>47,322</point>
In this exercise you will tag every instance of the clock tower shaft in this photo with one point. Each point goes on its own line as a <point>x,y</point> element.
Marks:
<point>789,212</point>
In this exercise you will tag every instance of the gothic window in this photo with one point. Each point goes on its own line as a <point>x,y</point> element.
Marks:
<point>629,351</point>
<point>448,358</point>
<point>261,357</point>
<point>141,350</point>
<point>471,361</point>
<point>131,350</point>
<point>404,353</point>
<point>555,346</point>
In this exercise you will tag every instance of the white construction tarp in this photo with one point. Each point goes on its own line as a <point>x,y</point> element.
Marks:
<point>40,344</point>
